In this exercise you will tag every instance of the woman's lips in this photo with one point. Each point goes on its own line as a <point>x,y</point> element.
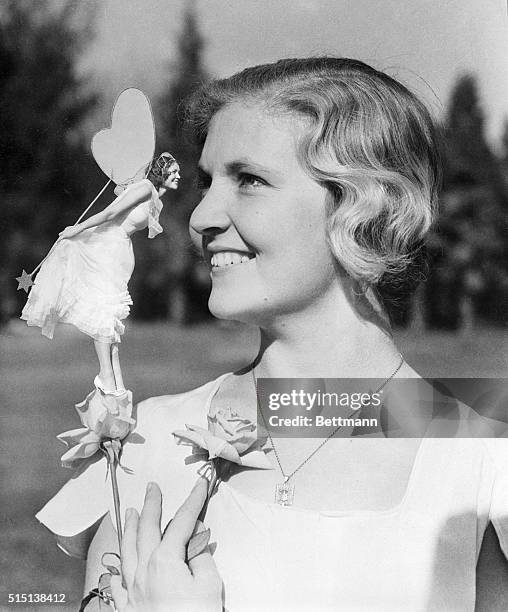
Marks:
<point>226,259</point>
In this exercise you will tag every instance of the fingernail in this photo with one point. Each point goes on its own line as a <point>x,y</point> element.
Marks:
<point>152,487</point>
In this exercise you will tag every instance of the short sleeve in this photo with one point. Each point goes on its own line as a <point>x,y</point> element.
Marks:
<point>499,499</point>
<point>76,509</point>
<point>149,454</point>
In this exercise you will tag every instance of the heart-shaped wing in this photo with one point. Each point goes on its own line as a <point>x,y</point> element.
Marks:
<point>125,150</point>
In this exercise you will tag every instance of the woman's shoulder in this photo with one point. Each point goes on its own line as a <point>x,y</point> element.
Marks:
<point>142,189</point>
<point>147,185</point>
<point>158,417</point>
<point>163,412</point>
<point>143,183</point>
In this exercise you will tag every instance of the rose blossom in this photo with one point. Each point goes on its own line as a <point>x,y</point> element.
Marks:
<point>105,417</point>
<point>229,436</point>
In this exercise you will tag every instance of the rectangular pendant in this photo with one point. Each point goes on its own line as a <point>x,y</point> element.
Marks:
<point>284,493</point>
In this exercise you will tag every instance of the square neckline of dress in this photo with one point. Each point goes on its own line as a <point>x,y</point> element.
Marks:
<point>397,508</point>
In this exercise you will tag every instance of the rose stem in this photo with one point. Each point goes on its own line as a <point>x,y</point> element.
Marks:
<point>211,487</point>
<point>113,462</point>
<point>116,500</point>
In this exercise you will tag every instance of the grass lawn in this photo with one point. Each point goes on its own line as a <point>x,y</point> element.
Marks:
<point>41,380</point>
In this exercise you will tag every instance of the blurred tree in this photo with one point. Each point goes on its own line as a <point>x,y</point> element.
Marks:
<point>469,270</point>
<point>45,170</point>
<point>504,151</point>
<point>176,280</point>
<point>504,140</point>
<point>469,160</point>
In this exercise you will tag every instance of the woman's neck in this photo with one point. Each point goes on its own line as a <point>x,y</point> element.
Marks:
<point>333,341</point>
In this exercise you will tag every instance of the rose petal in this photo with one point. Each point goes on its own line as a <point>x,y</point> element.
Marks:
<point>85,437</point>
<point>197,544</point>
<point>109,416</point>
<point>115,428</point>
<point>189,438</point>
<point>91,409</point>
<point>243,442</point>
<point>228,452</point>
<point>73,436</point>
<point>83,450</point>
<point>229,436</point>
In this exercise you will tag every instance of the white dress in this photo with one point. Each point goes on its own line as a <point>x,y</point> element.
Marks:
<point>84,280</point>
<point>417,556</point>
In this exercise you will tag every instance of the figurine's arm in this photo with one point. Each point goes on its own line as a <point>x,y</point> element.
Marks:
<point>129,198</point>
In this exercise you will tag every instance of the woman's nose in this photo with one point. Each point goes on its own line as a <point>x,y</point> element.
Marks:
<point>210,216</point>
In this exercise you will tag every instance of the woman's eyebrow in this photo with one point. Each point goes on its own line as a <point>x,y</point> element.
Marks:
<point>247,165</point>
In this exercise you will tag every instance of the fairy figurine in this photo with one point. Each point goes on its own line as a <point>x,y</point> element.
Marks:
<point>83,280</point>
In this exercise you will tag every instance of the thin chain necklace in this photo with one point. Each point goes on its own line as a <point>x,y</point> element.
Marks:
<point>285,491</point>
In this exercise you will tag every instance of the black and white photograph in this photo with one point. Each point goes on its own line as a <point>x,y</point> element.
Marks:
<point>253,305</point>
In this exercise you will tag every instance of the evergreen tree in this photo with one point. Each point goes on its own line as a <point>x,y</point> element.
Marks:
<point>504,151</point>
<point>178,288</point>
<point>44,164</point>
<point>504,140</point>
<point>191,74</point>
<point>469,255</point>
<point>469,160</point>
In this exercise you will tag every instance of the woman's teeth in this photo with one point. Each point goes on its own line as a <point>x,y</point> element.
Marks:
<point>228,258</point>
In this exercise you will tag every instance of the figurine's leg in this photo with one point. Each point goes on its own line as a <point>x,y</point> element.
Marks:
<point>117,370</point>
<point>103,350</point>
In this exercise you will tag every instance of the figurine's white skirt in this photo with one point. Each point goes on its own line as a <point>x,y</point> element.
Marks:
<point>83,282</point>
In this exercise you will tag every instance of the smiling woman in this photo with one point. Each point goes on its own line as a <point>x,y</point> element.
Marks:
<point>319,179</point>
<point>257,201</point>
<point>367,141</point>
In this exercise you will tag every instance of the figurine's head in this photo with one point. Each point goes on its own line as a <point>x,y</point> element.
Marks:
<point>164,172</point>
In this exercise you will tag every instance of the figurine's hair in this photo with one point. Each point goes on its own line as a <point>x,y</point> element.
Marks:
<point>369,140</point>
<point>159,168</point>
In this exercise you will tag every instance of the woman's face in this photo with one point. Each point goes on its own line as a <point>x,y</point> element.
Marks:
<point>173,178</point>
<point>261,220</point>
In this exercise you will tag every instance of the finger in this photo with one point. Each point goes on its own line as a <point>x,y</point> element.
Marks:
<point>129,551</point>
<point>204,570</point>
<point>202,565</point>
<point>120,595</point>
<point>149,531</point>
<point>182,526</point>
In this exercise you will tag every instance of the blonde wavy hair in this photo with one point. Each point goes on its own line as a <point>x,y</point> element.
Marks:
<point>369,141</point>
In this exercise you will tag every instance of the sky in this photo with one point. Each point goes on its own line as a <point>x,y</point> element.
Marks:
<point>426,44</point>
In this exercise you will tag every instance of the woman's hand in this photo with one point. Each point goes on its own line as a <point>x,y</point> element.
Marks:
<point>156,577</point>
<point>69,232</point>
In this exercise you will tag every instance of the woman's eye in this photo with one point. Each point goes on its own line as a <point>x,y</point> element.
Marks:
<point>250,180</point>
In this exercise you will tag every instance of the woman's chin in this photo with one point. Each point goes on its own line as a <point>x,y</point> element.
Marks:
<point>227,312</point>
<point>234,310</point>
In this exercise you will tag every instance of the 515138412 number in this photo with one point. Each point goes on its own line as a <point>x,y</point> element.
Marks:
<point>36,598</point>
